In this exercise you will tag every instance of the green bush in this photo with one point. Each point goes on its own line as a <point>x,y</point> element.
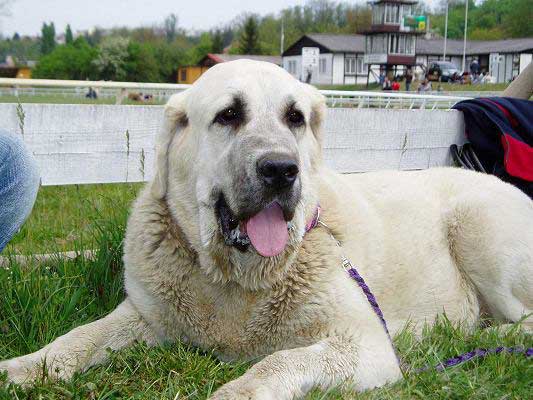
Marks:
<point>70,61</point>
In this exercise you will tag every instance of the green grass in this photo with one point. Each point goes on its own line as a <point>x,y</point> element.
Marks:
<point>359,86</point>
<point>452,87</point>
<point>446,87</point>
<point>40,302</point>
<point>56,99</point>
<point>64,217</point>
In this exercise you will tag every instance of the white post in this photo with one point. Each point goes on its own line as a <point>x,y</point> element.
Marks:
<point>445,32</point>
<point>464,39</point>
<point>282,38</point>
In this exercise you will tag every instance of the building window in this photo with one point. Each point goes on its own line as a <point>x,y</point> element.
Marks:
<point>401,44</point>
<point>516,66</point>
<point>353,65</point>
<point>349,66</point>
<point>322,65</point>
<point>183,75</point>
<point>292,67</point>
<point>376,44</point>
<point>378,14</point>
<point>407,9</point>
<point>360,66</point>
<point>392,14</point>
<point>410,44</point>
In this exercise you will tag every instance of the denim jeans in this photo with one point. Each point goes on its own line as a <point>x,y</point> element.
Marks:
<point>19,183</point>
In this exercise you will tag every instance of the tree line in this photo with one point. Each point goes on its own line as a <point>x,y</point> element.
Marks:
<point>487,20</point>
<point>153,54</point>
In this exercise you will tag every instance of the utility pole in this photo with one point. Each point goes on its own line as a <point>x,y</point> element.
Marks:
<point>446,32</point>
<point>464,39</point>
<point>282,37</point>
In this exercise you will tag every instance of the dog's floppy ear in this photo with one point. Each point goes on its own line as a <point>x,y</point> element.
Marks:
<point>318,111</point>
<point>175,121</point>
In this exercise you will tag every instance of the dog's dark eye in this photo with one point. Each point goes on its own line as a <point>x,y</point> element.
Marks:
<point>295,118</point>
<point>228,116</point>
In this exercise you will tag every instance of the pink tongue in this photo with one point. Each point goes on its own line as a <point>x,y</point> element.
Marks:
<point>267,231</point>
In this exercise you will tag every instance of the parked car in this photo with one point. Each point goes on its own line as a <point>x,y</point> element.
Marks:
<point>442,71</point>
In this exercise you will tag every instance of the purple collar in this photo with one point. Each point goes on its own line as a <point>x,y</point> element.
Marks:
<point>314,221</point>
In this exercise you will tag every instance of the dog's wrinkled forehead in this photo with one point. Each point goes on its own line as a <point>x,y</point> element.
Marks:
<point>262,86</point>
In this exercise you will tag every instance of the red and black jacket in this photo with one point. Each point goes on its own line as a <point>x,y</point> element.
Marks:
<point>500,130</point>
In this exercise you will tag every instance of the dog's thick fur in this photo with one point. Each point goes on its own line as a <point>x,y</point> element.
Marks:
<point>427,242</point>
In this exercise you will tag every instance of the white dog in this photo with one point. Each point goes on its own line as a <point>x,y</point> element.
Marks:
<point>217,252</point>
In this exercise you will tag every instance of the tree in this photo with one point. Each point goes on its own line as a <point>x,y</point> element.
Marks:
<point>111,61</point>
<point>487,20</point>
<point>95,37</point>
<point>122,59</point>
<point>249,38</point>
<point>169,57</point>
<point>69,38</point>
<point>358,19</point>
<point>217,45</point>
<point>48,38</point>
<point>201,49</point>
<point>171,25</point>
<point>519,21</point>
<point>140,63</point>
<point>22,49</point>
<point>68,61</point>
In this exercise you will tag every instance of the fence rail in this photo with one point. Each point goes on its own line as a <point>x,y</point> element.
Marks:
<point>162,91</point>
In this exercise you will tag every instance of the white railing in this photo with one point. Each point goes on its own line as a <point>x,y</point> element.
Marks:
<point>70,88</point>
<point>388,99</point>
<point>162,91</point>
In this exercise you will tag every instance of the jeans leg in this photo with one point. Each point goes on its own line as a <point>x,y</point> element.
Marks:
<point>19,183</point>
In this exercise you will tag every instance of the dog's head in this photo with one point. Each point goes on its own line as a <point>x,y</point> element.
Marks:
<point>235,162</point>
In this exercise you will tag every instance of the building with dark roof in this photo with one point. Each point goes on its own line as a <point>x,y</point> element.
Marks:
<point>502,59</point>
<point>342,57</point>
<point>340,61</point>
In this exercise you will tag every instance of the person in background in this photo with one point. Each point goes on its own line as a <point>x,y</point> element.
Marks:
<point>474,69</point>
<point>408,79</point>
<point>396,84</point>
<point>386,83</point>
<point>425,86</point>
<point>382,76</point>
<point>19,184</point>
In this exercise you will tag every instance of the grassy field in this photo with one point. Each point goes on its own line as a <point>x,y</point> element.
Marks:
<point>40,302</point>
<point>57,99</point>
<point>66,217</point>
<point>446,87</point>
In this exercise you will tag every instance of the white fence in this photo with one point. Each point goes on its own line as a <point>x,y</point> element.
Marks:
<point>162,91</point>
<point>109,143</point>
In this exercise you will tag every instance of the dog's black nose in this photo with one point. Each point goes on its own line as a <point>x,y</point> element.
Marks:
<point>277,171</point>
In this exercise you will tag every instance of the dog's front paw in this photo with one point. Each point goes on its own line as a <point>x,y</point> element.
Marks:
<point>241,390</point>
<point>17,372</point>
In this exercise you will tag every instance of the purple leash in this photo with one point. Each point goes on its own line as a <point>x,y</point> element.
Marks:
<point>450,362</point>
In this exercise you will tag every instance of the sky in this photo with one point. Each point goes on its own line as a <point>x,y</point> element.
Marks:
<point>27,16</point>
